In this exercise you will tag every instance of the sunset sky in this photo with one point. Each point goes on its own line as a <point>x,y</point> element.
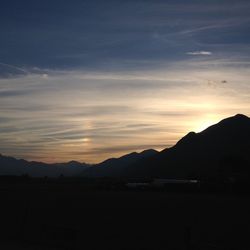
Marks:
<point>89,80</point>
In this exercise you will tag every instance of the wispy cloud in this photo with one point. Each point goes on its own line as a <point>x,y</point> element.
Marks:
<point>88,114</point>
<point>199,53</point>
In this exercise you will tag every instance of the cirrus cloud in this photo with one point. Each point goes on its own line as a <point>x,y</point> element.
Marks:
<point>200,53</point>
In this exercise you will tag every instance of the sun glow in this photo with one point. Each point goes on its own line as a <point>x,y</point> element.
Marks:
<point>205,123</point>
<point>85,139</point>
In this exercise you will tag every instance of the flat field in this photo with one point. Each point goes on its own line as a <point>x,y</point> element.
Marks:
<point>69,216</point>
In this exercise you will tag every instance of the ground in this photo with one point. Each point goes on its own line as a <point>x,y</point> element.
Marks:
<point>67,216</point>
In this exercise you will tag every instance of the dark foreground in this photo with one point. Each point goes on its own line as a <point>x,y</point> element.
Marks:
<point>71,216</point>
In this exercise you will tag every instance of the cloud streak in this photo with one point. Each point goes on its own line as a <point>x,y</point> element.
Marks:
<point>199,53</point>
<point>88,114</point>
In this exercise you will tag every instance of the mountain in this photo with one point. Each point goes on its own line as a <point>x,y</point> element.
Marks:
<point>220,151</point>
<point>115,167</point>
<point>13,166</point>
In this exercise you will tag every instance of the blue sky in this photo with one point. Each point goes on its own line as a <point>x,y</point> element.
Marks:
<point>87,80</point>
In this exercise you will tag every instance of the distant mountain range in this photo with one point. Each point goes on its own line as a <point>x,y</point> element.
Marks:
<point>117,167</point>
<point>13,166</point>
<point>220,151</point>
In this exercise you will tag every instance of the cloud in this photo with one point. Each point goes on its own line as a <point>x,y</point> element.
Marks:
<point>95,36</point>
<point>199,53</point>
<point>129,110</point>
<point>15,93</point>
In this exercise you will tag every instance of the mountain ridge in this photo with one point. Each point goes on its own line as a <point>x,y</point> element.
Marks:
<point>113,167</point>
<point>200,155</point>
<point>196,155</point>
<point>12,166</point>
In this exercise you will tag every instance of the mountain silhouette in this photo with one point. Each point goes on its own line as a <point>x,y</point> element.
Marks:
<point>13,166</point>
<point>115,167</point>
<point>220,151</point>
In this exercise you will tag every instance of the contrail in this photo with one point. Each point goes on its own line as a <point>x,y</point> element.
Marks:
<point>14,67</point>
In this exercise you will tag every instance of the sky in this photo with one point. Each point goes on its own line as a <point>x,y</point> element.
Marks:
<point>89,80</point>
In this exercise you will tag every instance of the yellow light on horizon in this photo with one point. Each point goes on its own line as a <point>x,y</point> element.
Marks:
<point>205,123</point>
